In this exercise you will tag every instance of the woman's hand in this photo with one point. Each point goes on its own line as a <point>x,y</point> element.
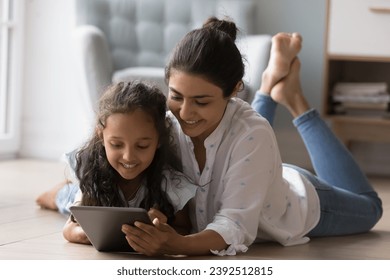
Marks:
<point>155,213</point>
<point>74,233</point>
<point>152,240</point>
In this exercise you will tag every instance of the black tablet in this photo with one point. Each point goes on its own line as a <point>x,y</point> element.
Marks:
<point>102,225</point>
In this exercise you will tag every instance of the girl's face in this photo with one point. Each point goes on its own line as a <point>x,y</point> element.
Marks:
<point>197,104</point>
<point>130,141</point>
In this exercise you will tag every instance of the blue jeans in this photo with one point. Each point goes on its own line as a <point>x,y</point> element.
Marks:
<point>348,202</point>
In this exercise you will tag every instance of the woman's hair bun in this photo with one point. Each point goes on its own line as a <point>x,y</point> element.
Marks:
<point>226,25</point>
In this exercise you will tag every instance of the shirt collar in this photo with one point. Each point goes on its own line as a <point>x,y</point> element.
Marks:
<point>216,136</point>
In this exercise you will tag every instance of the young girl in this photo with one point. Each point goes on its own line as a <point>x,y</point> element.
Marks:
<point>130,161</point>
<point>246,194</point>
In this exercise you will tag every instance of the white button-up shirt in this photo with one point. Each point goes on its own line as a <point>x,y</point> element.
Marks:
<point>245,194</point>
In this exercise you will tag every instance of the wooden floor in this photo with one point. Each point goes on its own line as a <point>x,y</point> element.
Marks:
<point>30,233</point>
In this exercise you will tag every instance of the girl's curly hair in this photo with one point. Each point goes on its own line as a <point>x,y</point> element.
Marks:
<point>98,180</point>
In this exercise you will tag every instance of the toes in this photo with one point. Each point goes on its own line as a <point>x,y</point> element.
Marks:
<point>296,41</point>
<point>297,36</point>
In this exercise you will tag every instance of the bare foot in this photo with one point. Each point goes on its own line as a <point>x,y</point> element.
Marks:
<point>288,92</point>
<point>285,47</point>
<point>48,199</point>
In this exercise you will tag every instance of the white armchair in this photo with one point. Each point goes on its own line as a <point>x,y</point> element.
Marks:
<point>119,40</point>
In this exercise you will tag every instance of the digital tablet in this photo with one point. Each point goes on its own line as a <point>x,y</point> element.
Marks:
<point>102,225</point>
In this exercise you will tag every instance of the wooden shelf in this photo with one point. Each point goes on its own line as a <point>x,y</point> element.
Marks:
<point>363,129</point>
<point>360,119</point>
<point>353,58</point>
<point>343,57</point>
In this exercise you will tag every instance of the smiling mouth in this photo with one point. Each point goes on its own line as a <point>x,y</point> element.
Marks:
<point>128,166</point>
<point>190,122</point>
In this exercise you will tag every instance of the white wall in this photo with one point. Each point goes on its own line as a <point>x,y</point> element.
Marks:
<point>52,119</point>
<point>308,17</point>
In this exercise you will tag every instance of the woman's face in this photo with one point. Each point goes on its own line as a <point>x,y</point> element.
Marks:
<point>197,104</point>
<point>130,141</point>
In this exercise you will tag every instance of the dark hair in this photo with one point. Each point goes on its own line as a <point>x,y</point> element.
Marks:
<point>210,52</point>
<point>98,179</point>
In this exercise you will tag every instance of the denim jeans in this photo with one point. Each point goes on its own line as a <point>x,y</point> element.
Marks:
<point>348,202</point>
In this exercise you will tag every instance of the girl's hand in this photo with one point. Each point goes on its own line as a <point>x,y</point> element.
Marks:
<point>74,233</point>
<point>152,240</point>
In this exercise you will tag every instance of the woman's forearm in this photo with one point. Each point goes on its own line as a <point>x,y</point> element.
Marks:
<point>200,243</point>
<point>162,239</point>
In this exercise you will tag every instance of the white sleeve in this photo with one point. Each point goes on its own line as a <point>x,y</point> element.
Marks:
<point>70,159</point>
<point>78,198</point>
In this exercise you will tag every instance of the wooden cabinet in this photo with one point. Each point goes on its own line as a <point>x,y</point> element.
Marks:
<point>357,51</point>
